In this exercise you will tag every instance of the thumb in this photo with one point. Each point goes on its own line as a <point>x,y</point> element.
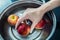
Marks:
<point>18,22</point>
<point>21,19</point>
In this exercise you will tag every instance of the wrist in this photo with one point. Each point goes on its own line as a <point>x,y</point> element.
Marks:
<point>57,2</point>
<point>48,6</point>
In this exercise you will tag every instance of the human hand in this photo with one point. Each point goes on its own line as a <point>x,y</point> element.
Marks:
<point>33,14</point>
<point>36,14</point>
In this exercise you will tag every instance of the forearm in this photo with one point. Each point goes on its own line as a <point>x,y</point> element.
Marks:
<point>49,6</point>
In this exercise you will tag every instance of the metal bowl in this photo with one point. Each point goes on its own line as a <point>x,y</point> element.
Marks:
<point>9,33</point>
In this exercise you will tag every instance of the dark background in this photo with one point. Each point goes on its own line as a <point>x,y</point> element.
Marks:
<point>56,35</point>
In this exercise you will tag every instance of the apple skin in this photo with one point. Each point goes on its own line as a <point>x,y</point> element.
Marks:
<point>12,19</point>
<point>41,24</point>
<point>23,29</point>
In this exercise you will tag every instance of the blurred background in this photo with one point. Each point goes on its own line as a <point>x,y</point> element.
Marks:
<point>56,36</point>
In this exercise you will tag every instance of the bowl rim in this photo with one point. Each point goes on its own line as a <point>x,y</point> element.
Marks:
<point>38,2</point>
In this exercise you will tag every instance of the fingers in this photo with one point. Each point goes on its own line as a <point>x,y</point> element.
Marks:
<point>21,19</point>
<point>33,26</point>
<point>24,16</point>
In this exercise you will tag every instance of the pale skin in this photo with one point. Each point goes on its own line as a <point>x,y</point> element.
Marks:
<point>36,14</point>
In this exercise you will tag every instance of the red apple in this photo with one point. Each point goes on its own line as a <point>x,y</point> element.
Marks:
<point>41,24</point>
<point>23,29</point>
